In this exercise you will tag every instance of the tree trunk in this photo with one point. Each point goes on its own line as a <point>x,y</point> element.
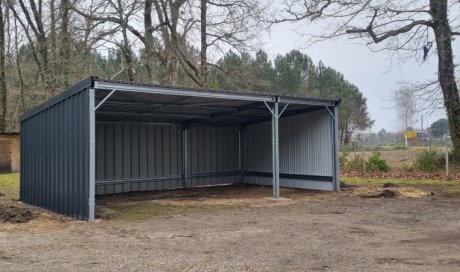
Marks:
<point>125,47</point>
<point>446,76</point>
<point>3,91</point>
<point>204,45</point>
<point>65,42</point>
<point>148,40</point>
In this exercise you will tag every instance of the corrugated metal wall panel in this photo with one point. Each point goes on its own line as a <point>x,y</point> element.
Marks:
<point>292,183</point>
<point>55,156</point>
<point>305,149</point>
<point>131,157</point>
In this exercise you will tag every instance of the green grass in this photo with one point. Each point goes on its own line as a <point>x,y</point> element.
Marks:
<point>449,187</point>
<point>142,210</point>
<point>9,186</point>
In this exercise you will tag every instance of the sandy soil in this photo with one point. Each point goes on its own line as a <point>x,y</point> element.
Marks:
<point>307,231</point>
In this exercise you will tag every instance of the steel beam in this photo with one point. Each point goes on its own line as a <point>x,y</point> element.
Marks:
<point>105,99</point>
<point>179,92</point>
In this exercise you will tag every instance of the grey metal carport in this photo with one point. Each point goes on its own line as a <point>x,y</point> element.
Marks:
<point>104,137</point>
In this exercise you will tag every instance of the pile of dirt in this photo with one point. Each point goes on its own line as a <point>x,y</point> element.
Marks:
<point>12,214</point>
<point>344,185</point>
<point>389,185</point>
<point>372,192</point>
<point>387,193</point>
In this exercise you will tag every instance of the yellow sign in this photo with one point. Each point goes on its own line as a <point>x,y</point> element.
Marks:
<point>411,134</point>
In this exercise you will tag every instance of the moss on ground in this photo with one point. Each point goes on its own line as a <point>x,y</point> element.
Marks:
<point>142,210</point>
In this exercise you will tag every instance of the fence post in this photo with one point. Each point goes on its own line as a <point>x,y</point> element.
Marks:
<point>447,160</point>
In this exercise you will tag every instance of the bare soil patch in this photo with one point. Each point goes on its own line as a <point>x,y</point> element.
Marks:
<point>14,214</point>
<point>305,231</point>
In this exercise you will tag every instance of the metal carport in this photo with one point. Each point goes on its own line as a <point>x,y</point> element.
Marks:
<point>104,137</point>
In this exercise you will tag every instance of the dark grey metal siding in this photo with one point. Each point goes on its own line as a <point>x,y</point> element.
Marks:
<point>141,157</point>
<point>55,157</point>
<point>306,148</point>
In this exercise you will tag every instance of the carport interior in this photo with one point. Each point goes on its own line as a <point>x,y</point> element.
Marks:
<point>152,138</point>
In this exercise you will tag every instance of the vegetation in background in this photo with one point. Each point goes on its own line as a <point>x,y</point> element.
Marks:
<point>355,164</point>
<point>407,28</point>
<point>294,74</point>
<point>376,163</point>
<point>439,128</point>
<point>428,161</point>
<point>49,45</point>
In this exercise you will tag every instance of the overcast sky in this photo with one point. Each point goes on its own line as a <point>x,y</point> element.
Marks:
<point>375,74</point>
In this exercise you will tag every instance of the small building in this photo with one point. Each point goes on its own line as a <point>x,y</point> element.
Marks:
<point>106,137</point>
<point>9,152</point>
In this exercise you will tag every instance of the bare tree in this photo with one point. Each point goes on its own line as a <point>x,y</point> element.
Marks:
<point>224,24</point>
<point>119,14</point>
<point>406,26</point>
<point>3,89</point>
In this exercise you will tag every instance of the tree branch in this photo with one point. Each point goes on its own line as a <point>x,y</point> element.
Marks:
<point>391,33</point>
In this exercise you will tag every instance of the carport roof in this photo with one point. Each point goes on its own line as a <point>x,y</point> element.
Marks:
<point>141,103</point>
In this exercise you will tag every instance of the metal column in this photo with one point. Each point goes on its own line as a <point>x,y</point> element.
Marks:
<point>185,155</point>
<point>275,143</point>
<point>240,154</point>
<point>335,134</point>
<point>92,156</point>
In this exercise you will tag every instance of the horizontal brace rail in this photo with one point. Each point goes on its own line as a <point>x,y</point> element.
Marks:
<point>290,176</point>
<point>161,178</point>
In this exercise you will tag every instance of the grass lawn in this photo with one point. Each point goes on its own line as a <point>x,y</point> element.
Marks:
<point>9,186</point>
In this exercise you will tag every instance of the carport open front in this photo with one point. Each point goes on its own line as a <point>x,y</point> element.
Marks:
<point>103,137</point>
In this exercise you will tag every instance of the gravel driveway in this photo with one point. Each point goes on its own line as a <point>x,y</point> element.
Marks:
<point>323,232</point>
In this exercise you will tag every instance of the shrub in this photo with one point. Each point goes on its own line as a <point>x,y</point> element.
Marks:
<point>428,161</point>
<point>375,163</point>
<point>343,160</point>
<point>356,164</point>
<point>409,167</point>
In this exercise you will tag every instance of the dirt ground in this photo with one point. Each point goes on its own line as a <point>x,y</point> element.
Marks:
<point>242,228</point>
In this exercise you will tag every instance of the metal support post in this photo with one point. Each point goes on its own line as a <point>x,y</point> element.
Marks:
<point>240,154</point>
<point>336,170</point>
<point>92,156</point>
<point>276,171</point>
<point>447,159</point>
<point>185,155</point>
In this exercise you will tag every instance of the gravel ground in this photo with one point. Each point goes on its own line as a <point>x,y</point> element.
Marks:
<point>316,232</point>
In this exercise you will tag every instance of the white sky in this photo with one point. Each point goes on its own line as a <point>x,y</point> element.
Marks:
<point>374,73</point>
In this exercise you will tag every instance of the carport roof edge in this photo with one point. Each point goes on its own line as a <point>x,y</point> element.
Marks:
<point>96,83</point>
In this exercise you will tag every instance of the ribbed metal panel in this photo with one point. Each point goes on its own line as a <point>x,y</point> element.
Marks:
<point>143,157</point>
<point>292,183</point>
<point>306,148</point>
<point>55,157</point>
<point>213,150</point>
